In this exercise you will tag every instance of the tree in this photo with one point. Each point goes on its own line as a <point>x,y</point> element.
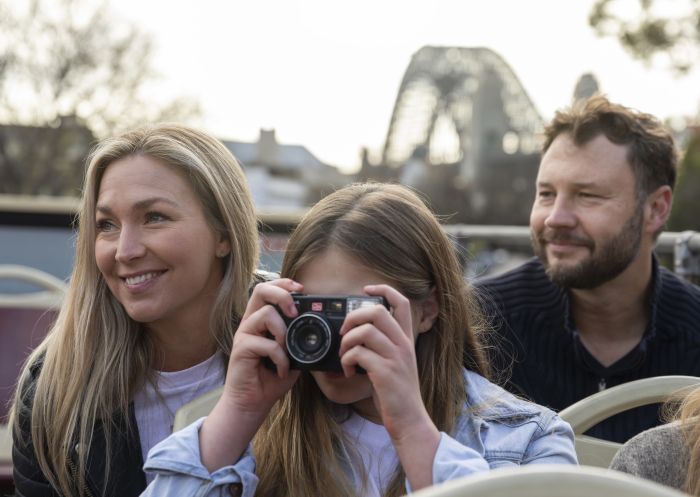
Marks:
<point>68,67</point>
<point>662,29</point>
<point>659,29</point>
<point>684,215</point>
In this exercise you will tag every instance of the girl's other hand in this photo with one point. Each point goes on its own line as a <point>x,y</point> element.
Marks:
<point>250,383</point>
<point>251,387</point>
<point>382,342</point>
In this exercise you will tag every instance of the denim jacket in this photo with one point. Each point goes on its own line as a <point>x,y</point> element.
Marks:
<point>495,430</point>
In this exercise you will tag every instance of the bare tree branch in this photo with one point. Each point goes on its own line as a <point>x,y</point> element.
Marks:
<point>70,72</point>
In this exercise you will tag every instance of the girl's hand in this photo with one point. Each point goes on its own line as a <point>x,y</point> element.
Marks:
<point>251,387</point>
<point>383,343</point>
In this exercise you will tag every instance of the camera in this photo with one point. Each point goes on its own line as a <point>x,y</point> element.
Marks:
<point>313,337</point>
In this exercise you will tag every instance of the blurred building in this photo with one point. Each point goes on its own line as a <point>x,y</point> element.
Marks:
<point>586,86</point>
<point>284,176</point>
<point>44,160</point>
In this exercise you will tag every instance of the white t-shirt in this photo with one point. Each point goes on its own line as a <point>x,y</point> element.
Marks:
<point>156,403</point>
<point>374,445</point>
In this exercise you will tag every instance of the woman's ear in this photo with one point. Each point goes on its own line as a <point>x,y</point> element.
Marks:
<point>223,247</point>
<point>428,310</point>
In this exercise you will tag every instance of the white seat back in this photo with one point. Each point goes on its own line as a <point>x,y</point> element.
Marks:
<point>24,321</point>
<point>548,480</point>
<point>5,444</point>
<point>49,297</point>
<point>199,407</point>
<point>590,411</point>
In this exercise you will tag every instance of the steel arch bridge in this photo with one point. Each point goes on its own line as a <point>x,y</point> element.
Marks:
<point>461,105</point>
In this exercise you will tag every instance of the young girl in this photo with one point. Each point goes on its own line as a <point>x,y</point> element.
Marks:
<point>414,419</point>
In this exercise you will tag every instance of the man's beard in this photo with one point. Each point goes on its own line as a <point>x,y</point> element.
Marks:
<point>605,262</point>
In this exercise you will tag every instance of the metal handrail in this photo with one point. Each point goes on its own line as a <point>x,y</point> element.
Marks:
<point>520,236</point>
<point>49,298</point>
<point>684,246</point>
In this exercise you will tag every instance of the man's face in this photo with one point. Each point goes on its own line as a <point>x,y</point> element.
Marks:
<point>587,220</point>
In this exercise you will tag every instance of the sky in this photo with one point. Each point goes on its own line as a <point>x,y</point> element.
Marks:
<point>325,74</point>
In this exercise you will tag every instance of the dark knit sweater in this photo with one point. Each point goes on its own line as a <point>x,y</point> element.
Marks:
<point>537,339</point>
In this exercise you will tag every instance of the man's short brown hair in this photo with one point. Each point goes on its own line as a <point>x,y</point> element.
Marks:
<point>651,150</point>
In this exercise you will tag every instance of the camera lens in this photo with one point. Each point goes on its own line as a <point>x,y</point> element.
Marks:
<point>308,338</point>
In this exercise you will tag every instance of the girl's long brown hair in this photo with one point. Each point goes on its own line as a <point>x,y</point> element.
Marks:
<point>388,229</point>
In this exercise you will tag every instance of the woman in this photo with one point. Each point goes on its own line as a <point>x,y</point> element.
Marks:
<point>166,252</point>
<point>391,408</point>
<point>670,453</point>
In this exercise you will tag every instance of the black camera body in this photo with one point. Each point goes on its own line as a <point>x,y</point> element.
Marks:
<point>313,337</point>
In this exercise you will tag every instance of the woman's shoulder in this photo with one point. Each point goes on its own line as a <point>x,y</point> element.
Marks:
<point>31,373</point>
<point>492,402</point>
<point>658,454</point>
<point>27,387</point>
<point>661,441</point>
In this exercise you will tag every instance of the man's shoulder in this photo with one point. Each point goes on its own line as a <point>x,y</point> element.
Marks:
<point>528,273</point>
<point>527,284</point>
<point>678,297</point>
<point>672,283</point>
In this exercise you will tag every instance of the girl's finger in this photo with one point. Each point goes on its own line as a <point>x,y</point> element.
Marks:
<point>369,336</point>
<point>361,356</point>
<point>275,293</point>
<point>400,305</point>
<point>382,319</point>
<point>263,322</point>
<point>257,347</point>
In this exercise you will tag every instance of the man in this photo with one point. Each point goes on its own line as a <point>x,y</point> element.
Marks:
<point>595,309</point>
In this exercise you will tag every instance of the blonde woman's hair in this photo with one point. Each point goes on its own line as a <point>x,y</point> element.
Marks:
<point>388,229</point>
<point>96,356</point>
<point>688,412</point>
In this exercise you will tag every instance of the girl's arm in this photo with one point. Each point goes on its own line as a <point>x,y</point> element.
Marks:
<point>383,343</point>
<point>214,453</point>
<point>552,444</point>
<point>251,388</point>
<point>176,461</point>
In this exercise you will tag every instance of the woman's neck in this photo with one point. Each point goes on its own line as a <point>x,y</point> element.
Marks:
<point>177,351</point>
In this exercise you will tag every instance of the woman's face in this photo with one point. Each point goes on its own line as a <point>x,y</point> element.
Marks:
<point>154,247</point>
